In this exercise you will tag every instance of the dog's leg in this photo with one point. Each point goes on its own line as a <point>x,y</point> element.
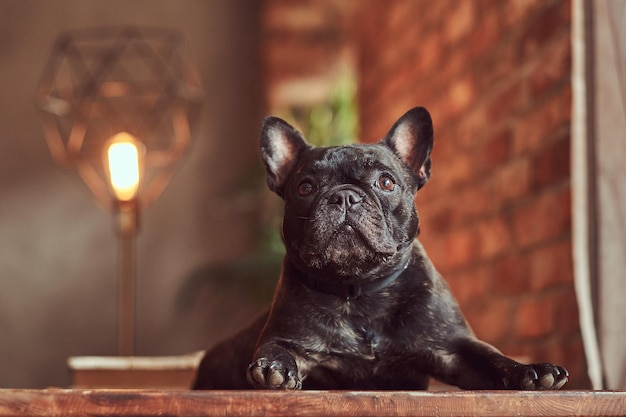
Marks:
<point>472,364</point>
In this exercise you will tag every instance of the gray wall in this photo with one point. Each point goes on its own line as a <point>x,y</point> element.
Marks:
<point>58,251</point>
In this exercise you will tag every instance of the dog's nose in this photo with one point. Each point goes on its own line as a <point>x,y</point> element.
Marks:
<point>345,199</point>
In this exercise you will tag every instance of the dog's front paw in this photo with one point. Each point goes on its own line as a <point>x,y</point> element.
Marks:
<point>541,376</point>
<point>274,374</point>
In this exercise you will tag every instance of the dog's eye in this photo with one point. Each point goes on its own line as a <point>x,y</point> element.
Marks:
<point>305,188</point>
<point>385,183</point>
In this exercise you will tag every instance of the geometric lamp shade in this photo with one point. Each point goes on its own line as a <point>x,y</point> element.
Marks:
<point>103,82</point>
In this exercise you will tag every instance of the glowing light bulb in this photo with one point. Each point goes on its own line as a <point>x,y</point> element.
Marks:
<point>124,167</point>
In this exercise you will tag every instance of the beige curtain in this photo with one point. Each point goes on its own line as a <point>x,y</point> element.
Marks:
<point>599,184</point>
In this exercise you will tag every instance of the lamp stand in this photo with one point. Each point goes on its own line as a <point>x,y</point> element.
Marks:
<point>127,219</point>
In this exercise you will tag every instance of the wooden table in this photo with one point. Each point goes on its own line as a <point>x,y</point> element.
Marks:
<point>62,402</point>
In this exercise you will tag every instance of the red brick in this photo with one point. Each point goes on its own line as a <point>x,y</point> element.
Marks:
<point>429,55</point>
<point>399,14</point>
<point>509,275</point>
<point>474,127</point>
<point>535,318</point>
<point>536,127</point>
<point>510,182</point>
<point>545,218</point>
<point>567,318</point>
<point>461,94</point>
<point>486,34</point>
<point>494,237</point>
<point>460,248</point>
<point>404,44</point>
<point>515,11</point>
<point>506,103</point>
<point>449,251</point>
<point>545,25</point>
<point>495,151</point>
<point>473,201</point>
<point>459,22</point>
<point>469,285</point>
<point>552,70</point>
<point>454,172</point>
<point>438,215</point>
<point>552,163</point>
<point>551,265</point>
<point>490,319</point>
<point>442,212</point>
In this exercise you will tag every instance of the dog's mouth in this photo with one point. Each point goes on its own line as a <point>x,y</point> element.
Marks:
<point>348,248</point>
<point>350,235</point>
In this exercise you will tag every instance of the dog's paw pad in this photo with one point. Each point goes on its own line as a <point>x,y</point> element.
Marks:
<point>547,381</point>
<point>275,378</point>
<point>530,379</point>
<point>256,374</point>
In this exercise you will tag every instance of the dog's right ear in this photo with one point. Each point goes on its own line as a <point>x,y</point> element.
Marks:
<point>281,144</point>
<point>411,138</point>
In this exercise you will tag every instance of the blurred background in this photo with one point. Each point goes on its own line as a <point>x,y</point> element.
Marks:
<point>523,215</point>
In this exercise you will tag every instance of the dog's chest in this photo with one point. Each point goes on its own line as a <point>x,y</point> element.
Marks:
<point>350,333</point>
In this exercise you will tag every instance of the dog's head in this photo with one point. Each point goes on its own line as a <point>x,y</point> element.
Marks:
<point>349,210</point>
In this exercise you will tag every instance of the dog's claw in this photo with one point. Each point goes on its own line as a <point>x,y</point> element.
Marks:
<point>543,376</point>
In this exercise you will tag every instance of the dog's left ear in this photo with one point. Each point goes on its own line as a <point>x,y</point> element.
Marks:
<point>411,138</point>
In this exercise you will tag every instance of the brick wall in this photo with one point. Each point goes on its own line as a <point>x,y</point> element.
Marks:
<point>495,217</point>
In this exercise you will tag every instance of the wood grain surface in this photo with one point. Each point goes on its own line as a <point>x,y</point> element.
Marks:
<point>61,402</point>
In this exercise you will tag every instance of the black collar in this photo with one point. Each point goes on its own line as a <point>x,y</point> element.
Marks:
<point>351,291</point>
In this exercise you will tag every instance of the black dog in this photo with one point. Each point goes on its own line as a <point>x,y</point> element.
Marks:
<point>358,304</point>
